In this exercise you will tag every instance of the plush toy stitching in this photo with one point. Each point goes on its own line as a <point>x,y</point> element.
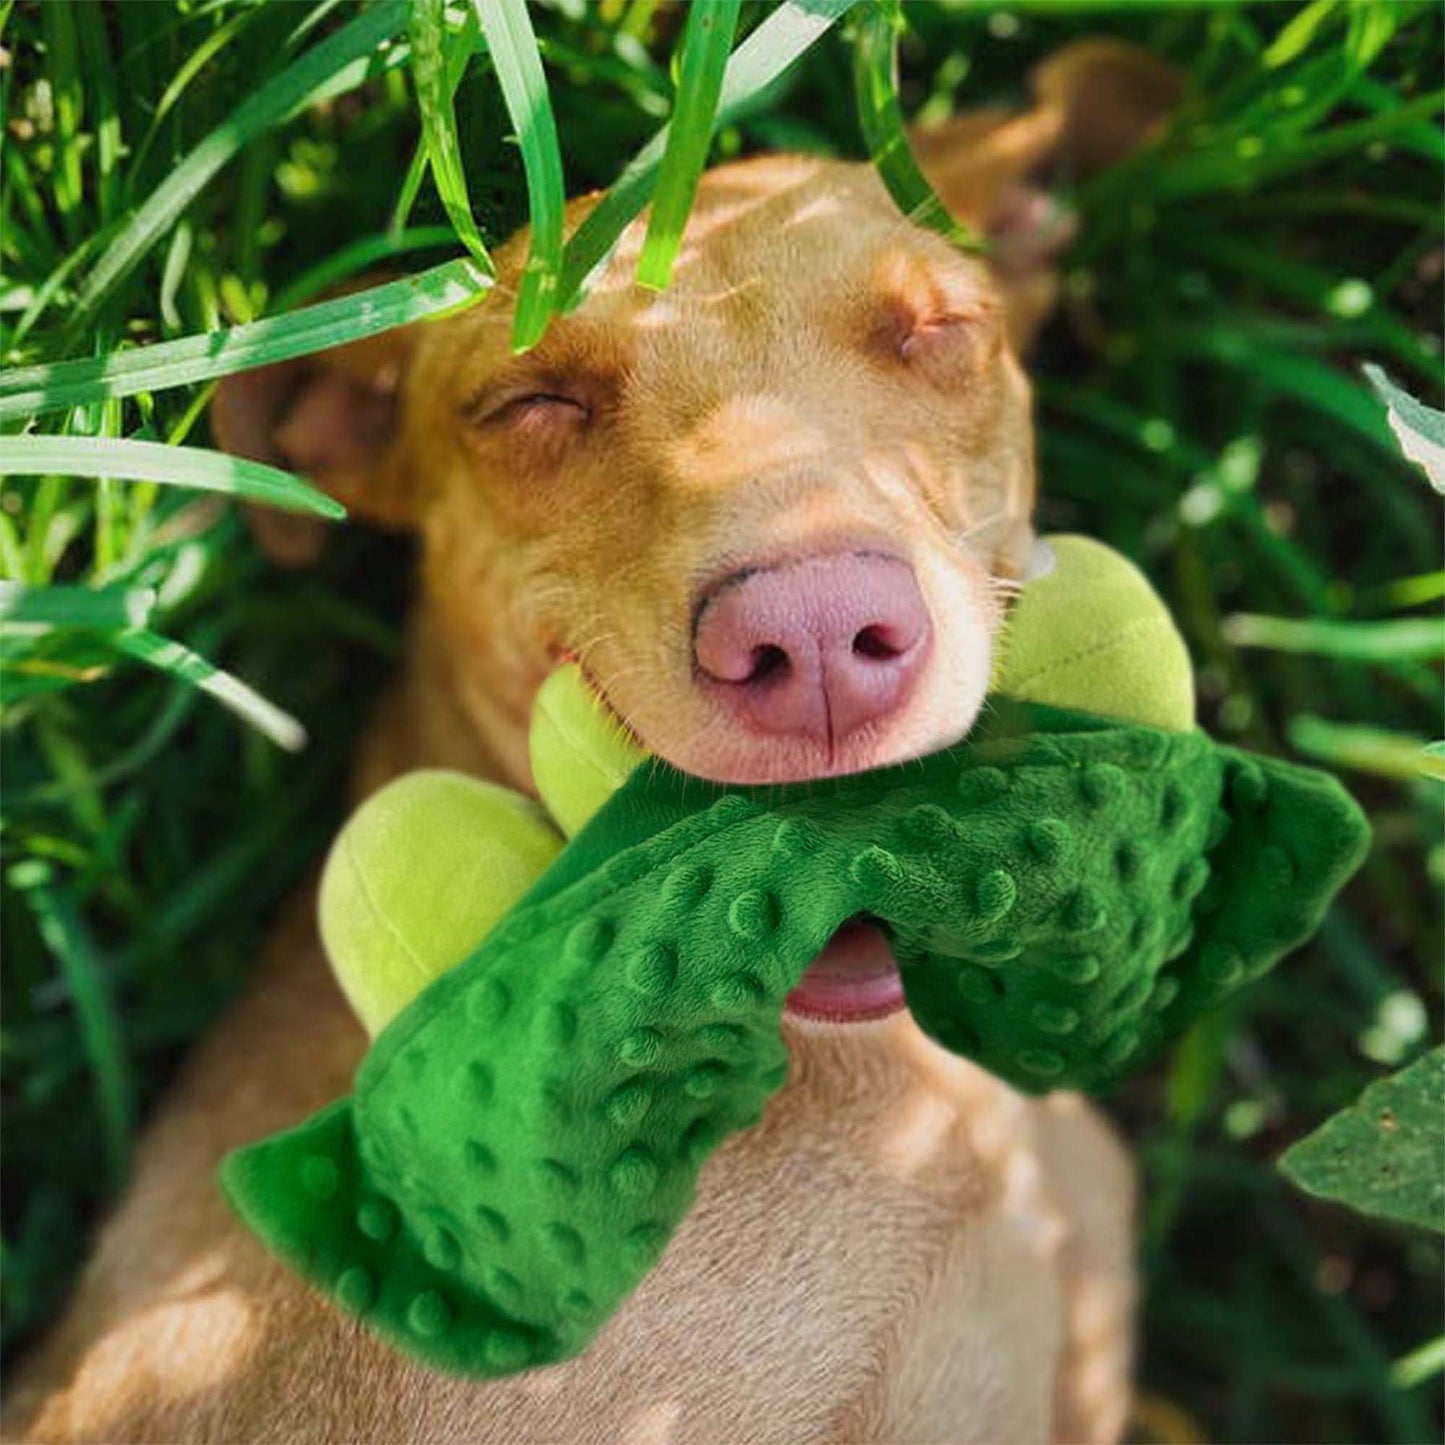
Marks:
<point>378,911</point>
<point>1144,624</point>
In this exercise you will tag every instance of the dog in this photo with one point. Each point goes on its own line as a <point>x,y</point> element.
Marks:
<point>778,511</point>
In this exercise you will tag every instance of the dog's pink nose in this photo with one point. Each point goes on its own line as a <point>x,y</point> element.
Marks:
<point>816,648</point>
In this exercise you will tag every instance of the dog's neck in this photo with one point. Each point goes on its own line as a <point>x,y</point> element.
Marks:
<point>463,702</point>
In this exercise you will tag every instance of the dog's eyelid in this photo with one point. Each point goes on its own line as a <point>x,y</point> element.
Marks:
<point>495,406</point>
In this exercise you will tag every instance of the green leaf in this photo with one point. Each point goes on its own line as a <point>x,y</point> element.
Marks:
<point>875,84</point>
<point>84,971</point>
<point>439,121</point>
<point>1382,751</point>
<point>339,63</point>
<point>28,390</point>
<point>508,30</point>
<point>1392,640</point>
<point>103,608</point>
<point>103,458</point>
<point>1385,1155</point>
<point>706,46</point>
<point>1419,429</point>
<point>177,660</point>
<point>792,29</point>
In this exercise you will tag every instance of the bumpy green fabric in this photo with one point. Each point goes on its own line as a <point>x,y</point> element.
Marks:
<point>1064,894</point>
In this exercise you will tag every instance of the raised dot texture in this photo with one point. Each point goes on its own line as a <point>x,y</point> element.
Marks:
<point>740,991</point>
<point>641,1047</point>
<point>1047,1063</point>
<point>376,1219</point>
<point>1191,877</point>
<point>876,867</point>
<point>996,894</point>
<point>1173,806</point>
<point>976,984</point>
<point>1247,787</point>
<point>442,1251</point>
<point>566,1244</point>
<point>993,951</point>
<point>1048,839</point>
<point>488,1002</point>
<point>320,1177</point>
<point>652,969</point>
<point>700,1139</point>
<point>1129,861</point>
<point>561,1023</point>
<point>493,1225</point>
<point>1078,968</point>
<point>428,1314</point>
<point>982,785</point>
<point>1221,963</point>
<point>1145,934</point>
<point>558,1177</point>
<point>1086,911</point>
<point>356,1289</point>
<point>1100,783</point>
<point>504,1286</point>
<point>1055,1018</point>
<point>480,1082</point>
<point>628,1105</point>
<point>753,915</point>
<point>479,1157</point>
<point>929,824</point>
<point>1166,990</point>
<point>726,1038</point>
<point>634,1173</point>
<point>1120,1048</point>
<point>705,1080</point>
<point>644,1244</point>
<point>686,884</point>
<point>589,940</point>
<point>506,1350</point>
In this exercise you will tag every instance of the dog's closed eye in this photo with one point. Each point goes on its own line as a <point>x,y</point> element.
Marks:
<point>532,409</point>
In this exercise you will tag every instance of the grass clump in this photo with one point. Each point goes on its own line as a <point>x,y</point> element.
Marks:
<point>174,171</point>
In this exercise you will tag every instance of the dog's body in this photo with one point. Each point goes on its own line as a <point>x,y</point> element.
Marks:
<point>904,1248</point>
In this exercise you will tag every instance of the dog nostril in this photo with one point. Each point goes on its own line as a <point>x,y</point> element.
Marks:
<point>770,664</point>
<point>874,642</point>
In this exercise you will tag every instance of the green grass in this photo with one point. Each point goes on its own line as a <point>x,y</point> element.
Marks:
<point>180,183</point>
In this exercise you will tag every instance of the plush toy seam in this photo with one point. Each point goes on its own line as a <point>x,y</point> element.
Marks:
<point>1141,625</point>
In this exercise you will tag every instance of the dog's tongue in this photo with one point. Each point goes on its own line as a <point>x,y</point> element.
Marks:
<point>853,979</point>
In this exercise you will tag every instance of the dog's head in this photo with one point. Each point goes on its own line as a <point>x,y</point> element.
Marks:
<point>776,510</point>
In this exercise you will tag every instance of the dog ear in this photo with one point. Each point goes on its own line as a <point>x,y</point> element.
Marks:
<point>329,417</point>
<point>1095,102</point>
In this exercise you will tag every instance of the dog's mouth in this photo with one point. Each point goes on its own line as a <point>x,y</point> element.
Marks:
<point>853,980</point>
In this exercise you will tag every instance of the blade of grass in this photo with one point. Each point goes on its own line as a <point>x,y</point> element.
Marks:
<point>439,121</point>
<point>706,45</point>
<point>787,34</point>
<point>1395,639</point>
<point>90,607</point>
<point>513,46</point>
<point>205,471</point>
<point>1384,752</point>
<point>84,971</point>
<point>26,391</point>
<point>338,63</point>
<point>177,660</point>
<point>875,83</point>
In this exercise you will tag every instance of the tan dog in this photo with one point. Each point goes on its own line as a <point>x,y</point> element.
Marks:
<point>777,511</point>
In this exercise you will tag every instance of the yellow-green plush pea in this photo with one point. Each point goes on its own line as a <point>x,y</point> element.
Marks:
<point>581,754</point>
<point>420,874</point>
<point>1094,635</point>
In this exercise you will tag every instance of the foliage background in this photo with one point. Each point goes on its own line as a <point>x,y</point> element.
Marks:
<point>1200,408</point>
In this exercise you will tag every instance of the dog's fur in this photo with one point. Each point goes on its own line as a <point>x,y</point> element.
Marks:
<point>904,1249</point>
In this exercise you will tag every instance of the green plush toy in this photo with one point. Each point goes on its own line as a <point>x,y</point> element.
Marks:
<point>1064,891</point>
